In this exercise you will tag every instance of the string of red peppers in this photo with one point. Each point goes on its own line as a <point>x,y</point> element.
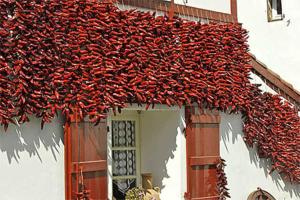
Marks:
<point>60,54</point>
<point>223,191</point>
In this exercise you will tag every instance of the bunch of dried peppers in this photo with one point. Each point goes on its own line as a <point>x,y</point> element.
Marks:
<point>62,54</point>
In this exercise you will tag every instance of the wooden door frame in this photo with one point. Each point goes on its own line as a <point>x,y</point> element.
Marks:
<point>68,160</point>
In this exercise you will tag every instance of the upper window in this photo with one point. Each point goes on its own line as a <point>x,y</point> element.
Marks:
<point>274,10</point>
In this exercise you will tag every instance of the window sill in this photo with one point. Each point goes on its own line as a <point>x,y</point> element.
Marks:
<point>276,18</point>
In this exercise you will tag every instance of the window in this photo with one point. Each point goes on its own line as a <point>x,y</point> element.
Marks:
<point>274,10</point>
<point>124,151</point>
<point>123,154</point>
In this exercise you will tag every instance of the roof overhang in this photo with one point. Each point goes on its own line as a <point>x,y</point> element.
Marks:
<point>274,81</point>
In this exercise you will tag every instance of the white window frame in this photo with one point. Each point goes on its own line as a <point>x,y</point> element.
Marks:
<point>129,116</point>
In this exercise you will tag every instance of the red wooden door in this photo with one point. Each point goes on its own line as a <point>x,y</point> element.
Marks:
<point>86,164</point>
<point>202,140</point>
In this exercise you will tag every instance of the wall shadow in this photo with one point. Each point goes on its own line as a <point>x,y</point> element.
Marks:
<point>231,132</point>
<point>160,140</point>
<point>266,165</point>
<point>30,138</point>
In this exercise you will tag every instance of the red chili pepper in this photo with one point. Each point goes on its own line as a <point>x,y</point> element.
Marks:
<point>111,57</point>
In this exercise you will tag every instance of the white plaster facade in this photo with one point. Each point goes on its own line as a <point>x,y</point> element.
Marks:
<point>274,43</point>
<point>222,6</point>
<point>32,161</point>
<point>245,171</point>
<point>163,151</point>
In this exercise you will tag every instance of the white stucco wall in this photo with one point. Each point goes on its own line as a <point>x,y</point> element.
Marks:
<point>245,171</point>
<point>215,5</point>
<point>32,161</point>
<point>163,151</point>
<point>274,43</point>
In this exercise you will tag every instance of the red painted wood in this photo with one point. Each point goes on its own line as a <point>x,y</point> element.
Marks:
<point>204,160</point>
<point>86,159</point>
<point>171,10</point>
<point>205,119</point>
<point>68,178</point>
<point>203,153</point>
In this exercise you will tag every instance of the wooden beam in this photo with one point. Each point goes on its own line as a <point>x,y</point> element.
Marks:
<point>208,119</point>
<point>274,81</point>
<point>204,160</point>
<point>186,10</point>
<point>171,11</point>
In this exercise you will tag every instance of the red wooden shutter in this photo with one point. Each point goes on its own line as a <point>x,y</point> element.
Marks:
<point>86,160</point>
<point>203,153</point>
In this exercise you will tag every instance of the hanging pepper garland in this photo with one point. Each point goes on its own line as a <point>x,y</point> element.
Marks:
<point>63,54</point>
<point>223,191</point>
<point>273,126</point>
